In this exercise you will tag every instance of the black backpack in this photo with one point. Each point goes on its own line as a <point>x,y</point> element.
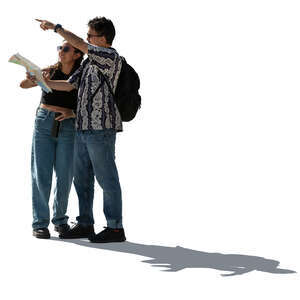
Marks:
<point>126,96</point>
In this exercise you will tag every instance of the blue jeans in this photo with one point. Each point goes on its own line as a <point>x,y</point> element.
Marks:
<point>50,153</point>
<point>94,156</point>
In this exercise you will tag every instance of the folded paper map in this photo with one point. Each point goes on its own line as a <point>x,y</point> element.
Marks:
<point>33,69</point>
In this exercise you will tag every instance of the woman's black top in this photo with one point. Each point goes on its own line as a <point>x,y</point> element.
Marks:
<point>60,98</point>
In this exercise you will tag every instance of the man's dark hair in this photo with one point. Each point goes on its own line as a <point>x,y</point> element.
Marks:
<point>103,27</point>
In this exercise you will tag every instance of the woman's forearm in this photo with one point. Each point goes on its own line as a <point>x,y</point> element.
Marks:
<point>26,84</point>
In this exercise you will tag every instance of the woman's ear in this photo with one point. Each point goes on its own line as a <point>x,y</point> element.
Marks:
<point>77,55</point>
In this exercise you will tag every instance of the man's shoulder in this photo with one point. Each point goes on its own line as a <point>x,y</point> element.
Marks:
<point>102,51</point>
<point>85,62</point>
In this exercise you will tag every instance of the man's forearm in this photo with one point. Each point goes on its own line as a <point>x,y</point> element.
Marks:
<point>73,39</point>
<point>60,85</point>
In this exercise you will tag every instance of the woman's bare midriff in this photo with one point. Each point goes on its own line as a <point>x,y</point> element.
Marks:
<point>54,107</point>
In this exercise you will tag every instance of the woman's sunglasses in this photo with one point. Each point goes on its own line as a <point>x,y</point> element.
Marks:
<point>64,49</point>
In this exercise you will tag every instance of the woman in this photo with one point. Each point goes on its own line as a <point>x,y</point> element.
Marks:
<point>52,145</point>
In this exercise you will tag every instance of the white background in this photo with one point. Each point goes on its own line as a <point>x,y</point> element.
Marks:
<point>211,163</point>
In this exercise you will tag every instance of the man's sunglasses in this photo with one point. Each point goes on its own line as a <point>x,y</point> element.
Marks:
<point>91,35</point>
<point>63,49</point>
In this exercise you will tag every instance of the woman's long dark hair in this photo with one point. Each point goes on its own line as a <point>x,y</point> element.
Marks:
<point>58,65</point>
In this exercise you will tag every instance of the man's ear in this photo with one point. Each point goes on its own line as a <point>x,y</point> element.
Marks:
<point>104,41</point>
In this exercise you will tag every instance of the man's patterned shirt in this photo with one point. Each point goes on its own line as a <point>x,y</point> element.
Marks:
<point>98,112</point>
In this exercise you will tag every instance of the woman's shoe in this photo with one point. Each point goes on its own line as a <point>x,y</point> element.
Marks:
<point>78,231</point>
<point>41,233</point>
<point>62,228</point>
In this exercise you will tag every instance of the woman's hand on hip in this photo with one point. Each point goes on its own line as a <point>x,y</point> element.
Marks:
<point>66,113</point>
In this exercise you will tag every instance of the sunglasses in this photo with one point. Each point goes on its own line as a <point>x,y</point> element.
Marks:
<point>91,35</point>
<point>64,49</point>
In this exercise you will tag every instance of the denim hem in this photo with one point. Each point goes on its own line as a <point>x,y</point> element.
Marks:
<point>84,223</point>
<point>114,224</point>
<point>39,226</point>
<point>60,222</point>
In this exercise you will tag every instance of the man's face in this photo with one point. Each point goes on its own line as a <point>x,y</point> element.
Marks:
<point>95,39</point>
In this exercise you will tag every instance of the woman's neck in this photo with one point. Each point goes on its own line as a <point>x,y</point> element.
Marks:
<point>67,68</point>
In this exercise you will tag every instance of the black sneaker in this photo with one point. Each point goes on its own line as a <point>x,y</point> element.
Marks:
<point>62,228</point>
<point>109,235</point>
<point>41,233</point>
<point>78,231</point>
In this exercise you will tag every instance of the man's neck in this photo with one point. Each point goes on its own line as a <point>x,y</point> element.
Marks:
<point>104,45</point>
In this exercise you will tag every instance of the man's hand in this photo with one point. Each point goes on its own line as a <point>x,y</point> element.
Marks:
<point>46,75</point>
<point>60,85</point>
<point>45,25</point>
<point>70,37</point>
<point>29,82</point>
<point>30,77</point>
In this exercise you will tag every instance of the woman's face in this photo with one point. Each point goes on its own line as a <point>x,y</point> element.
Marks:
<point>67,53</point>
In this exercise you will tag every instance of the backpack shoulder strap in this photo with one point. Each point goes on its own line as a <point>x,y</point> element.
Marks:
<point>106,80</point>
<point>108,84</point>
<point>109,87</point>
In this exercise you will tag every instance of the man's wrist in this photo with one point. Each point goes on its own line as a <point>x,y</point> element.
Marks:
<point>57,27</point>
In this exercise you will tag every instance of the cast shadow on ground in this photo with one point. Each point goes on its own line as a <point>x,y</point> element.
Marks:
<point>178,258</point>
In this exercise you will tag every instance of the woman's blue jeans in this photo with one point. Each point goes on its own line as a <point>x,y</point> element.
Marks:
<point>50,153</point>
<point>95,158</point>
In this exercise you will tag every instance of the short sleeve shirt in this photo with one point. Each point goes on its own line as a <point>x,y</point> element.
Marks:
<point>99,111</point>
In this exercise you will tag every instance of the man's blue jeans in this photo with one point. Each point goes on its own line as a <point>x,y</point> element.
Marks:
<point>94,156</point>
<point>50,153</point>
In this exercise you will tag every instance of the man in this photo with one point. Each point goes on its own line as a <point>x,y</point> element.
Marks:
<point>97,121</point>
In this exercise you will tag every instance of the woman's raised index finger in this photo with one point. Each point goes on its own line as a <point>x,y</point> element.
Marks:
<point>39,20</point>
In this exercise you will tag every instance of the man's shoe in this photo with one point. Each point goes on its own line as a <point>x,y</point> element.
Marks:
<point>41,233</point>
<point>109,235</point>
<point>62,228</point>
<point>78,232</point>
